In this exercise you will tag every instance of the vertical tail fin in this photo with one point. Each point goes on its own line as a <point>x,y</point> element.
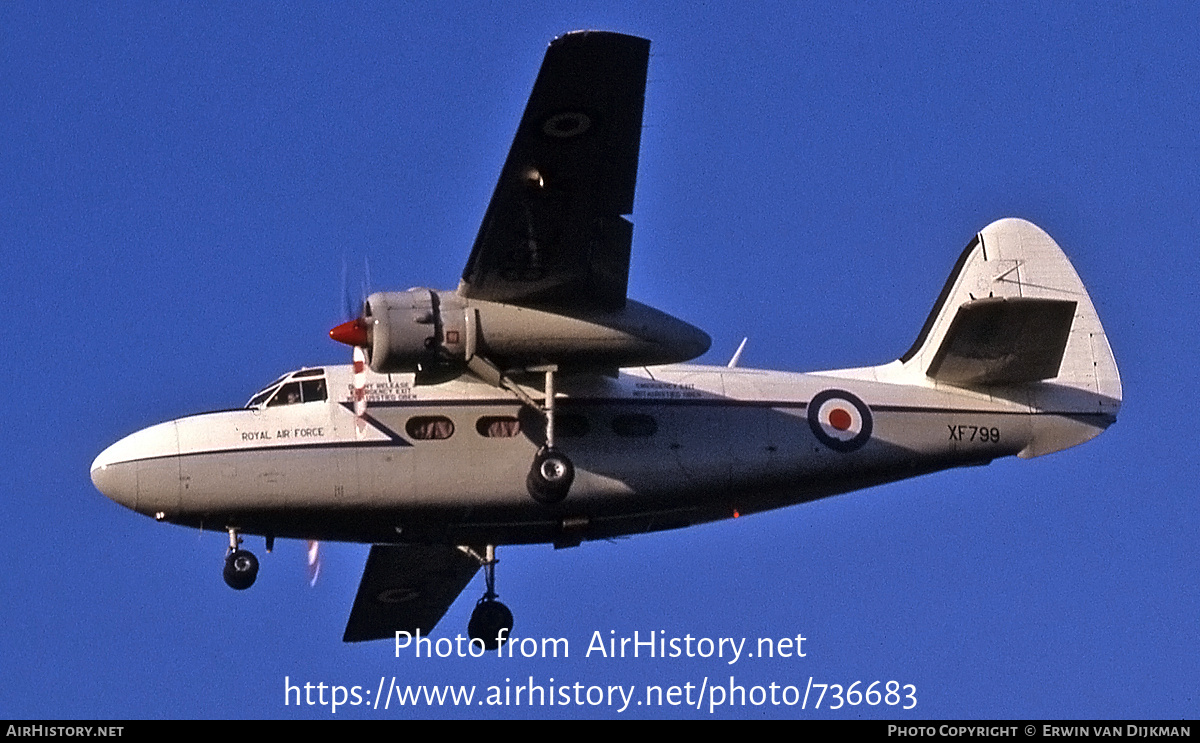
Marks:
<point>1014,313</point>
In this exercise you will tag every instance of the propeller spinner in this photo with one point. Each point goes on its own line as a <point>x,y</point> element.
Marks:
<point>352,333</point>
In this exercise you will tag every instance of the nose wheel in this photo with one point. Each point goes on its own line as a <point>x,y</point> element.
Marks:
<point>241,566</point>
<point>491,621</point>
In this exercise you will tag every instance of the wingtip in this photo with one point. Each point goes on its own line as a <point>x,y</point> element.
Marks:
<point>587,32</point>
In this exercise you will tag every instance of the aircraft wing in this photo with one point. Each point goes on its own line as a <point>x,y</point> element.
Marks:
<point>407,587</point>
<point>554,236</point>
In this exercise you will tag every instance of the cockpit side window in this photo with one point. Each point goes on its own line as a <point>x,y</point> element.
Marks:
<point>289,394</point>
<point>313,390</point>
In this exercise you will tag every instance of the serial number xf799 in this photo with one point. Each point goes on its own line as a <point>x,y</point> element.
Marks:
<point>984,434</point>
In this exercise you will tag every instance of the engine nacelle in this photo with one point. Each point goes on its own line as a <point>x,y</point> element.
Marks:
<point>408,331</point>
<point>422,330</point>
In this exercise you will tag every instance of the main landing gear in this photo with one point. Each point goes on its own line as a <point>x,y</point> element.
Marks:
<point>491,622</point>
<point>552,472</point>
<point>241,566</point>
<point>550,476</point>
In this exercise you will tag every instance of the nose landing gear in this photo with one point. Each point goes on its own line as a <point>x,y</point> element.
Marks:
<point>491,622</point>
<point>241,566</point>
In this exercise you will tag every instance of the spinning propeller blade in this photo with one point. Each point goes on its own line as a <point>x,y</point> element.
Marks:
<point>314,562</point>
<point>355,333</point>
<point>360,392</point>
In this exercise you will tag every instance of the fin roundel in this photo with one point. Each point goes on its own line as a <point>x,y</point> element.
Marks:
<point>840,420</point>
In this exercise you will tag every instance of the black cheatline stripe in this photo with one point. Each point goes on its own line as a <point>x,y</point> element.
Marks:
<point>572,402</point>
<point>296,447</point>
<point>281,447</point>
<point>592,402</point>
<point>1105,418</point>
<point>378,426</point>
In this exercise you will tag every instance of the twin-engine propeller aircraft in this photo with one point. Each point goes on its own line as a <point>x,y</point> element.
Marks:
<point>536,403</point>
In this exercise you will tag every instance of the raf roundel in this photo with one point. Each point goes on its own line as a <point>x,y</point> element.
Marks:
<point>566,124</point>
<point>839,420</point>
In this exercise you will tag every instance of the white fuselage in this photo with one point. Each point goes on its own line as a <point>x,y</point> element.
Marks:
<point>654,448</point>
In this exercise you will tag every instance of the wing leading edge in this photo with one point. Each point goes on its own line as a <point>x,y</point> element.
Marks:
<point>554,235</point>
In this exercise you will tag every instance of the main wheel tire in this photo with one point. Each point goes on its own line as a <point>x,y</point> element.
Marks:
<point>491,623</point>
<point>241,568</point>
<point>550,477</point>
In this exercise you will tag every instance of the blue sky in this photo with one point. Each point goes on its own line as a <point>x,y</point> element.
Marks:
<point>179,189</point>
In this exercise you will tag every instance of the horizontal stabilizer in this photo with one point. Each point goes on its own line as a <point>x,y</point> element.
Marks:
<point>1004,340</point>
<point>407,587</point>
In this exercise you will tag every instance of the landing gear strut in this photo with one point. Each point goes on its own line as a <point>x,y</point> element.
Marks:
<point>491,622</point>
<point>552,472</point>
<point>241,566</point>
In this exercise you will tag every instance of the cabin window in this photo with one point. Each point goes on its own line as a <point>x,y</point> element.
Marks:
<point>430,427</point>
<point>571,425</point>
<point>635,425</point>
<point>498,426</point>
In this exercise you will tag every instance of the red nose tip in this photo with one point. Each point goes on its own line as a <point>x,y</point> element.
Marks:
<point>353,333</point>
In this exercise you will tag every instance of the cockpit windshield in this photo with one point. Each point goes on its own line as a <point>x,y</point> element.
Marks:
<point>261,397</point>
<point>306,385</point>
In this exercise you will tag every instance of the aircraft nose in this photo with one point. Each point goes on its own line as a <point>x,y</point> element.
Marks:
<point>116,471</point>
<point>117,480</point>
